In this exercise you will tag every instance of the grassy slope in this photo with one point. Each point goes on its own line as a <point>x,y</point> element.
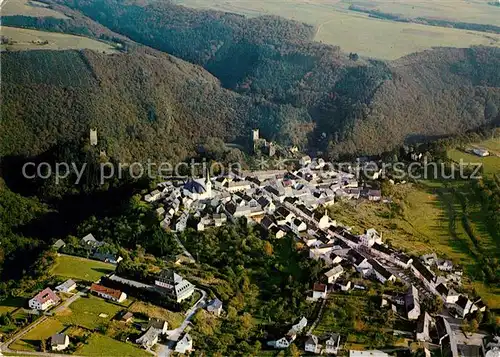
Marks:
<point>81,268</point>
<point>429,220</point>
<point>28,8</point>
<point>357,32</point>
<point>25,39</point>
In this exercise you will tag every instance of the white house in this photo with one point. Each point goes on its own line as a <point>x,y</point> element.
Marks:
<point>43,300</point>
<point>371,237</point>
<point>423,325</point>
<point>334,273</point>
<point>332,344</point>
<point>67,286</point>
<point>381,273</point>
<point>59,342</point>
<point>412,303</point>
<point>282,343</point>
<point>185,344</point>
<point>312,345</point>
<point>153,196</point>
<point>319,291</point>
<point>463,306</point>
<point>108,293</point>
<point>298,226</point>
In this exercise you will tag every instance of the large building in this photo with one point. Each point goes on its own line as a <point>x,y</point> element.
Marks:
<point>174,285</point>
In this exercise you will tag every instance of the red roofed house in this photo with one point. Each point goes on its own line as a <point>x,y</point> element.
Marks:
<point>319,291</point>
<point>44,299</point>
<point>108,293</point>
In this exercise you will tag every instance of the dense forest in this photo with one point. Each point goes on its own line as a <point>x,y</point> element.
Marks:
<point>297,91</point>
<point>137,102</point>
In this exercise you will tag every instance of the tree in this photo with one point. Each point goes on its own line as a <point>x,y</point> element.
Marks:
<point>292,351</point>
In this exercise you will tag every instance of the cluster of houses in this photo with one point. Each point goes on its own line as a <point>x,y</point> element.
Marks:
<point>91,244</point>
<point>287,202</point>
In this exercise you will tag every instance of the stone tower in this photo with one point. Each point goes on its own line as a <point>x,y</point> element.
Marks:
<point>93,137</point>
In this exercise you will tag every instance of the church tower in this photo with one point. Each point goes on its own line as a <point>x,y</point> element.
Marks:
<point>208,184</point>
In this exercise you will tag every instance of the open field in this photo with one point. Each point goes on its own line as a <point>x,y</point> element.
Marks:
<point>10,304</point>
<point>475,11</point>
<point>491,164</point>
<point>429,218</point>
<point>355,32</point>
<point>31,341</point>
<point>81,268</point>
<point>99,343</point>
<point>29,8</point>
<point>25,39</point>
<point>85,312</point>
<point>174,319</point>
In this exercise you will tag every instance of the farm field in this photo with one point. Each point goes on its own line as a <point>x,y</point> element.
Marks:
<point>99,343</point>
<point>25,39</point>
<point>355,32</point>
<point>29,8</point>
<point>31,341</point>
<point>85,312</point>
<point>81,268</point>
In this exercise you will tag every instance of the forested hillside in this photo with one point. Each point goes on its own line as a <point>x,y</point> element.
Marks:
<point>352,101</point>
<point>296,91</point>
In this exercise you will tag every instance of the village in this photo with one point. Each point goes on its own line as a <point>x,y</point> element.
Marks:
<point>282,202</point>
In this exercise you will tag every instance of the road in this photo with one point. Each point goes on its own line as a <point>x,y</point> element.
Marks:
<point>165,350</point>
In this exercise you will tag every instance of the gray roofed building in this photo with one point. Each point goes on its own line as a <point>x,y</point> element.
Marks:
<point>215,307</point>
<point>58,244</point>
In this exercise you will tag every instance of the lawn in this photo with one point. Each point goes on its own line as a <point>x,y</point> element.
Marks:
<point>99,344</point>
<point>355,32</point>
<point>85,312</point>
<point>174,319</point>
<point>10,304</point>
<point>31,341</point>
<point>26,39</point>
<point>81,268</point>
